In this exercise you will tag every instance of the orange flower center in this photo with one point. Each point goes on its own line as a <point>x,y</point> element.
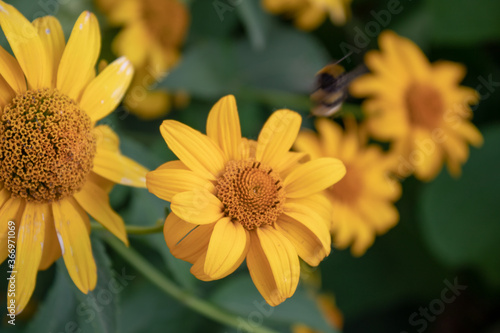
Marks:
<point>252,194</point>
<point>348,189</point>
<point>425,105</point>
<point>47,146</point>
<point>166,20</point>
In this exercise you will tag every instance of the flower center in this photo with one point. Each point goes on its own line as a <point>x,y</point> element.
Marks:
<point>348,189</point>
<point>166,21</point>
<point>425,105</point>
<point>252,194</point>
<point>47,146</point>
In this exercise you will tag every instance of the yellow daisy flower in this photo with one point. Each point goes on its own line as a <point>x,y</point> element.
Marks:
<point>310,14</point>
<point>419,105</point>
<point>233,198</point>
<point>152,33</point>
<point>363,200</point>
<point>56,165</point>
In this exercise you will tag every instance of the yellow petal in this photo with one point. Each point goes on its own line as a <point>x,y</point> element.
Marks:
<point>277,136</point>
<point>307,141</point>
<point>227,248</point>
<point>185,240</point>
<point>198,269</point>
<point>52,36</point>
<point>319,203</point>
<point>70,222</point>
<point>11,210</point>
<point>308,246</point>
<point>95,201</point>
<point>223,126</point>
<point>51,248</point>
<point>80,56</point>
<point>111,164</point>
<point>125,43</point>
<point>106,91</point>
<point>12,72</point>
<point>310,17</point>
<point>313,176</point>
<point>381,215</point>
<point>197,151</point>
<point>469,132</point>
<point>29,247</point>
<point>6,94</point>
<point>448,72</point>
<point>165,183</point>
<point>273,264</point>
<point>26,45</point>
<point>197,207</point>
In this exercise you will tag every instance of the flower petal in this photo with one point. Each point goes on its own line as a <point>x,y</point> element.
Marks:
<point>10,211</point>
<point>197,207</point>
<point>277,136</point>
<point>51,248</point>
<point>95,201</point>
<point>52,36</point>
<point>106,91</point>
<point>197,151</point>
<point>29,247</point>
<point>227,248</point>
<point>313,176</point>
<point>12,72</point>
<point>80,56</point>
<point>185,240</point>
<point>273,264</point>
<point>26,45</point>
<point>111,164</point>
<point>6,94</point>
<point>70,222</point>
<point>165,183</point>
<point>223,126</point>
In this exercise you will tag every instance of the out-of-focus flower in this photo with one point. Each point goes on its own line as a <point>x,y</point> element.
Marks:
<point>362,200</point>
<point>309,14</point>
<point>419,105</point>
<point>152,34</point>
<point>56,166</point>
<point>233,198</point>
<point>330,311</point>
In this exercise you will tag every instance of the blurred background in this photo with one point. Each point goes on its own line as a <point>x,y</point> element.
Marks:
<point>438,270</point>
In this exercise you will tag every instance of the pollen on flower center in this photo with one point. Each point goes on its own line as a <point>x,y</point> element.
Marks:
<point>252,194</point>
<point>425,105</point>
<point>348,189</point>
<point>47,146</point>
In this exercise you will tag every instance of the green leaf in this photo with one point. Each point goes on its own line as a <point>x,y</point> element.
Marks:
<point>256,22</point>
<point>464,22</point>
<point>460,217</point>
<point>240,296</point>
<point>98,310</point>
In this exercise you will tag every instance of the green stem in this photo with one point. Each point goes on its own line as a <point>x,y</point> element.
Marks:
<point>161,281</point>
<point>133,229</point>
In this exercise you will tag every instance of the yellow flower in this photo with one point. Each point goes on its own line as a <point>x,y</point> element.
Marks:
<point>362,200</point>
<point>152,33</point>
<point>419,105</point>
<point>55,164</point>
<point>309,14</point>
<point>233,198</point>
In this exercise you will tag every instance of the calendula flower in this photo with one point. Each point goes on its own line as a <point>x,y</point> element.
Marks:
<point>309,14</point>
<point>151,35</point>
<point>56,165</point>
<point>419,105</point>
<point>233,198</point>
<point>363,200</point>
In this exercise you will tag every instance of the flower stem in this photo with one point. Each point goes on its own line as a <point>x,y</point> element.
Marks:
<point>134,229</point>
<point>161,281</point>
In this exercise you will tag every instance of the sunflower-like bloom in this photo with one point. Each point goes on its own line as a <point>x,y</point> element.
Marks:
<point>418,105</point>
<point>310,14</point>
<point>55,164</point>
<point>233,198</point>
<point>363,200</point>
<point>152,33</point>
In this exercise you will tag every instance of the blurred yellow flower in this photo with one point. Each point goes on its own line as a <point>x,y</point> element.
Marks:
<point>233,198</point>
<point>332,314</point>
<point>363,200</point>
<point>309,14</point>
<point>419,105</point>
<point>152,33</point>
<point>55,164</point>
